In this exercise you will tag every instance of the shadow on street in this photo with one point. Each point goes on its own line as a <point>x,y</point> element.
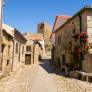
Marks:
<point>48,65</point>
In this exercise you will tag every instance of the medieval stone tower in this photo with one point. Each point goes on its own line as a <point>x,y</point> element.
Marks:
<point>45,29</point>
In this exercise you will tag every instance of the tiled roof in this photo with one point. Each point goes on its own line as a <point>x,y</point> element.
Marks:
<point>37,37</point>
<point>76,14</point>
<point>59,21</point>
<point>19,35</point>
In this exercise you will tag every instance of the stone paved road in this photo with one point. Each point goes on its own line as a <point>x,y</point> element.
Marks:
<point>42,78</point>
<point>72,85</point>
<point>66,84</point>
<point>21,82</point>
<point>29,79</point>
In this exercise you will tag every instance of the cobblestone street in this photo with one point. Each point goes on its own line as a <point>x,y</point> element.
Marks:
<point>72,85</point>
<point>41,78</point>
<point>45,46</point>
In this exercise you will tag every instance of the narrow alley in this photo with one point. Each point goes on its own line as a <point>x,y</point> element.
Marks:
<point>41,77</point>
<point>45,46</point>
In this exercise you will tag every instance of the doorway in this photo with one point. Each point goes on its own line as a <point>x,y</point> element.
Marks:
<point>28,59</point>
<point>63,60</point>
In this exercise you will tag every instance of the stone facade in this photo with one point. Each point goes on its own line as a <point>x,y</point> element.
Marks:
<point>34,48</point>
<point>39,48</point>
<point>12,48</point>
<point>28,49</point>
<point>18,49</point>
<point>45,29</point>
<point>38,52</point>
<point>60,20</point>
<point>7,48</point>
<point>68,42</point>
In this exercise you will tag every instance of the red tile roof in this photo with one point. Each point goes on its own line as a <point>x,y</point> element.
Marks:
<point>37,37</point>
<point>59,21</point>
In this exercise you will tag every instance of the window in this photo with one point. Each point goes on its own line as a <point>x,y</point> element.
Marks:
<point>59,40</point>
<point>23,50</point>
<point>3,46</point>
<point>8,49</point>
<point>16,48</point>
<point>28,48</point>
<point>42,25</point>
<point>8,62</point>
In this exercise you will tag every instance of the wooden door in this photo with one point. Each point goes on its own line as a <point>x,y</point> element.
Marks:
<point>27,59</point>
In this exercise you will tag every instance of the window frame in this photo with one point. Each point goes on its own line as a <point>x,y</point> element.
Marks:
<point>16,48</point>
<point>28,48</point>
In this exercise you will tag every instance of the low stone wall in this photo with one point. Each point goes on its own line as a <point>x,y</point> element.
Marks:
<point>87,63</point>
<point>81,75</point>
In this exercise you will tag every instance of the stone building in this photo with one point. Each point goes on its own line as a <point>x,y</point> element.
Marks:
<point>12,48</point>
<point>60,20</point>
<point>73,42</point>
<point>39,49</point>
<point>45,29</point>
<point>34,48</point>
<point>7,48</point>
<point>28,48</point>
<point>19,42</point>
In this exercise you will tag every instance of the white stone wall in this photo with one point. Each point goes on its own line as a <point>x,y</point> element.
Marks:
<point>43,47</point>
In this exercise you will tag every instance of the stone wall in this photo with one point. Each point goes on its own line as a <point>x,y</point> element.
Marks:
<point>36,42</point>
<point>30,43</point>
<point>65,44</point>
<point>7,43</point>
<point>65,34</point>
<point>18,53</point>
<point>87,63</point>
<point>18,57</point>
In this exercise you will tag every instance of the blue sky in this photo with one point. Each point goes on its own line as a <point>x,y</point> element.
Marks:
<point>26,14</point>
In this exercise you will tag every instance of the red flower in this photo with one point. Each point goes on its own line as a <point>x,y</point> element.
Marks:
<point>83,34</point>
<point>86,47</point>
<point>85,40</point>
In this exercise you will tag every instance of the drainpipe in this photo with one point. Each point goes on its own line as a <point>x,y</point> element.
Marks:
<point>80,18</point>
